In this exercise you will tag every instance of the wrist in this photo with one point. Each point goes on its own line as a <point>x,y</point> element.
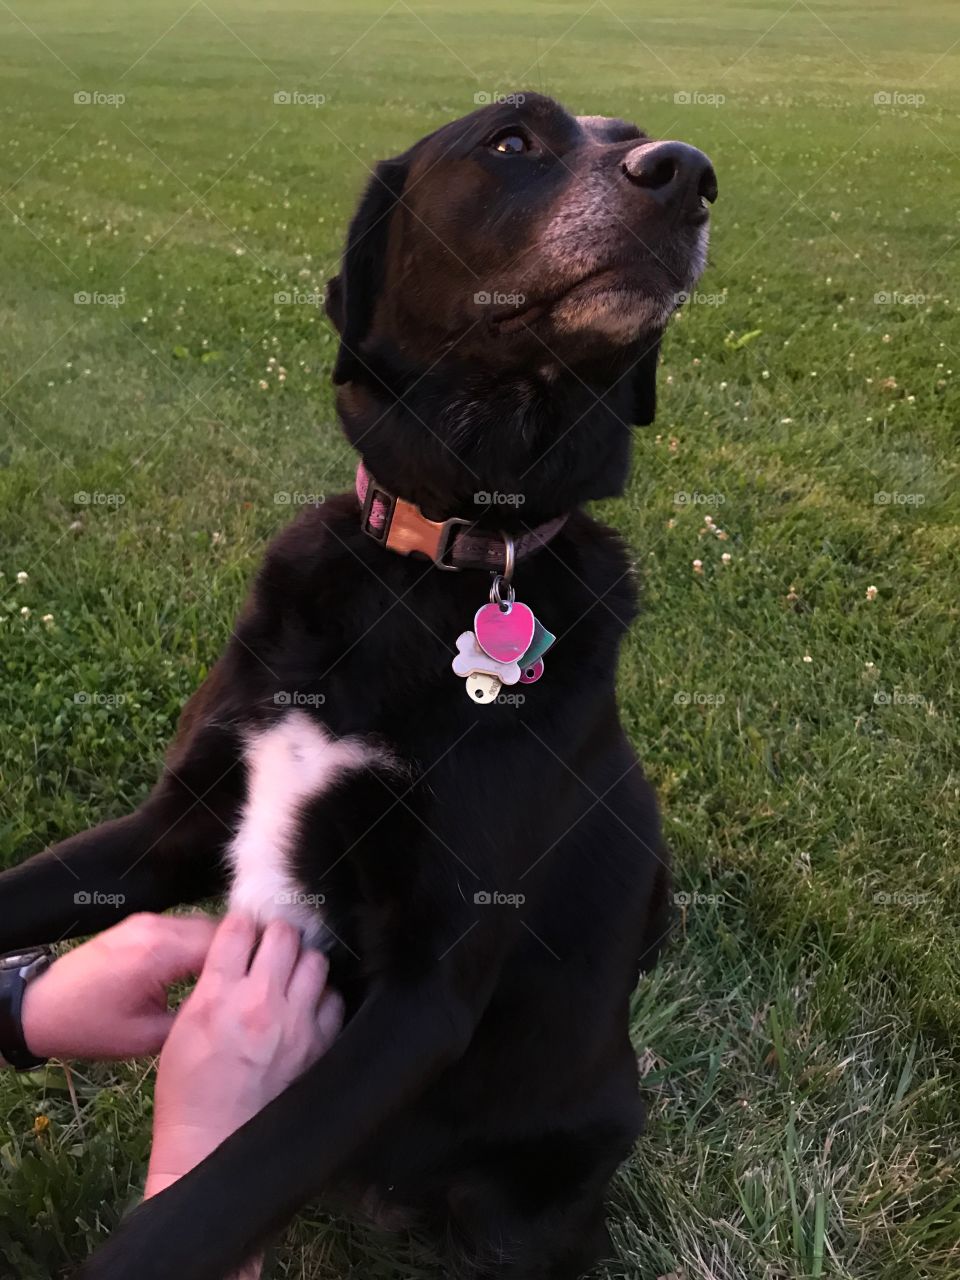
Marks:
<point>157,1182</point>
<point>176,1149</point>
<point>19,974</point>
<point>35,1018</point>
<point>174,1154</point>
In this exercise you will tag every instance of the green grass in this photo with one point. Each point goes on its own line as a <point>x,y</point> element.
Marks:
<point>799,1042</point>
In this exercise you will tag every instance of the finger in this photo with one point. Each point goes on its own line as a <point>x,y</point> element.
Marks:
<point>180,946</point>
<point>329,1018</point>
<point>151,1034</point>
<point>308,981</point>
<point>229,954</point>
<point>276,958</point>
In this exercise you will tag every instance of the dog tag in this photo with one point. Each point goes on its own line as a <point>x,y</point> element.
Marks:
<point>483,688</point>
<point>531,672</point>
<point>472,661</point>
<point>541,642</point>
<point>504,631</point>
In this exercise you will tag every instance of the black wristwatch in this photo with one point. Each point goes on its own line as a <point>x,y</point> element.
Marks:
<point>15,972</point>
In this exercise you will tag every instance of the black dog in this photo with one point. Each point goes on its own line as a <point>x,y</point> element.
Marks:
<point>492,878</point>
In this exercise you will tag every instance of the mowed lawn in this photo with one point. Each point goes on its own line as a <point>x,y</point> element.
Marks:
<point>794,514</point>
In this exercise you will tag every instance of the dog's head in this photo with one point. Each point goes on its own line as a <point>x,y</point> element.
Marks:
<point>518,247</point>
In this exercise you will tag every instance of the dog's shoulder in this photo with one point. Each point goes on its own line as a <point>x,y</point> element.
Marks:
<point>300,557</point>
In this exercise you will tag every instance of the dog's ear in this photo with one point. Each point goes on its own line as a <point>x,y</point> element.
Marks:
<point>642,380</point>
<point>352,295</point>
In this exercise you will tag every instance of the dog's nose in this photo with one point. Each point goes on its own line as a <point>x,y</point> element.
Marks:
<point>673,173</point>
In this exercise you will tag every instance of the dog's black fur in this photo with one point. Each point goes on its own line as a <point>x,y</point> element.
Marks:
<point>485,1082</point>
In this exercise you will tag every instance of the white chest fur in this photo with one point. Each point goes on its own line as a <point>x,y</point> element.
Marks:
<point>292,762</point>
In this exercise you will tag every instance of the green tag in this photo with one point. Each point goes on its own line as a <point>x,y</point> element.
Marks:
<point>541,642</point>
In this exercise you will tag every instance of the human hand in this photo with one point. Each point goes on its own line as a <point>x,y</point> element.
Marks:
<point>240,1038</point>
<point>108,998</point>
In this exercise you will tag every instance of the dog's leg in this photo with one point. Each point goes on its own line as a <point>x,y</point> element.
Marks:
<point>165,853</point>
<point>656,934</point>
<point>92,880</point>
<point>204,1226</point>
<point>541,1217</point>
<point>562,1243</point>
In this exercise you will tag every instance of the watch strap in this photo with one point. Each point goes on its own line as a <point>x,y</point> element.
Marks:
<point>13,984</point>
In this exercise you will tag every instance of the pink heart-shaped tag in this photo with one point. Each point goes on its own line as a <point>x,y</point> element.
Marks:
<point>504,635</point>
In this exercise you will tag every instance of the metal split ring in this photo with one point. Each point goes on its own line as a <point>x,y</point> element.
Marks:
<point>497,597</point>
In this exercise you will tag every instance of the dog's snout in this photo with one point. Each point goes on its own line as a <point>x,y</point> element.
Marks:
<point>673,173</point>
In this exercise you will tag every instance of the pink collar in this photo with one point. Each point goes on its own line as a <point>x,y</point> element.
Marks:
<point>450,544</point>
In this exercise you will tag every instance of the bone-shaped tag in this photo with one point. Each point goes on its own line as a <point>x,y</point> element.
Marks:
<point>471,660</point>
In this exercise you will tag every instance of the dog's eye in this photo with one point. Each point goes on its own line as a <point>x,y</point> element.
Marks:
<point>510,143</point>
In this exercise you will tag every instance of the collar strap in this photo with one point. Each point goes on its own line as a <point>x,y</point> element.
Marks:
<point>450,544</point>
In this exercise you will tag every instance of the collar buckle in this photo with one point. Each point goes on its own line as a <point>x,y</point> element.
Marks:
<point>375,520</point>
<point>445,542</point>
<point>401,526</point>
